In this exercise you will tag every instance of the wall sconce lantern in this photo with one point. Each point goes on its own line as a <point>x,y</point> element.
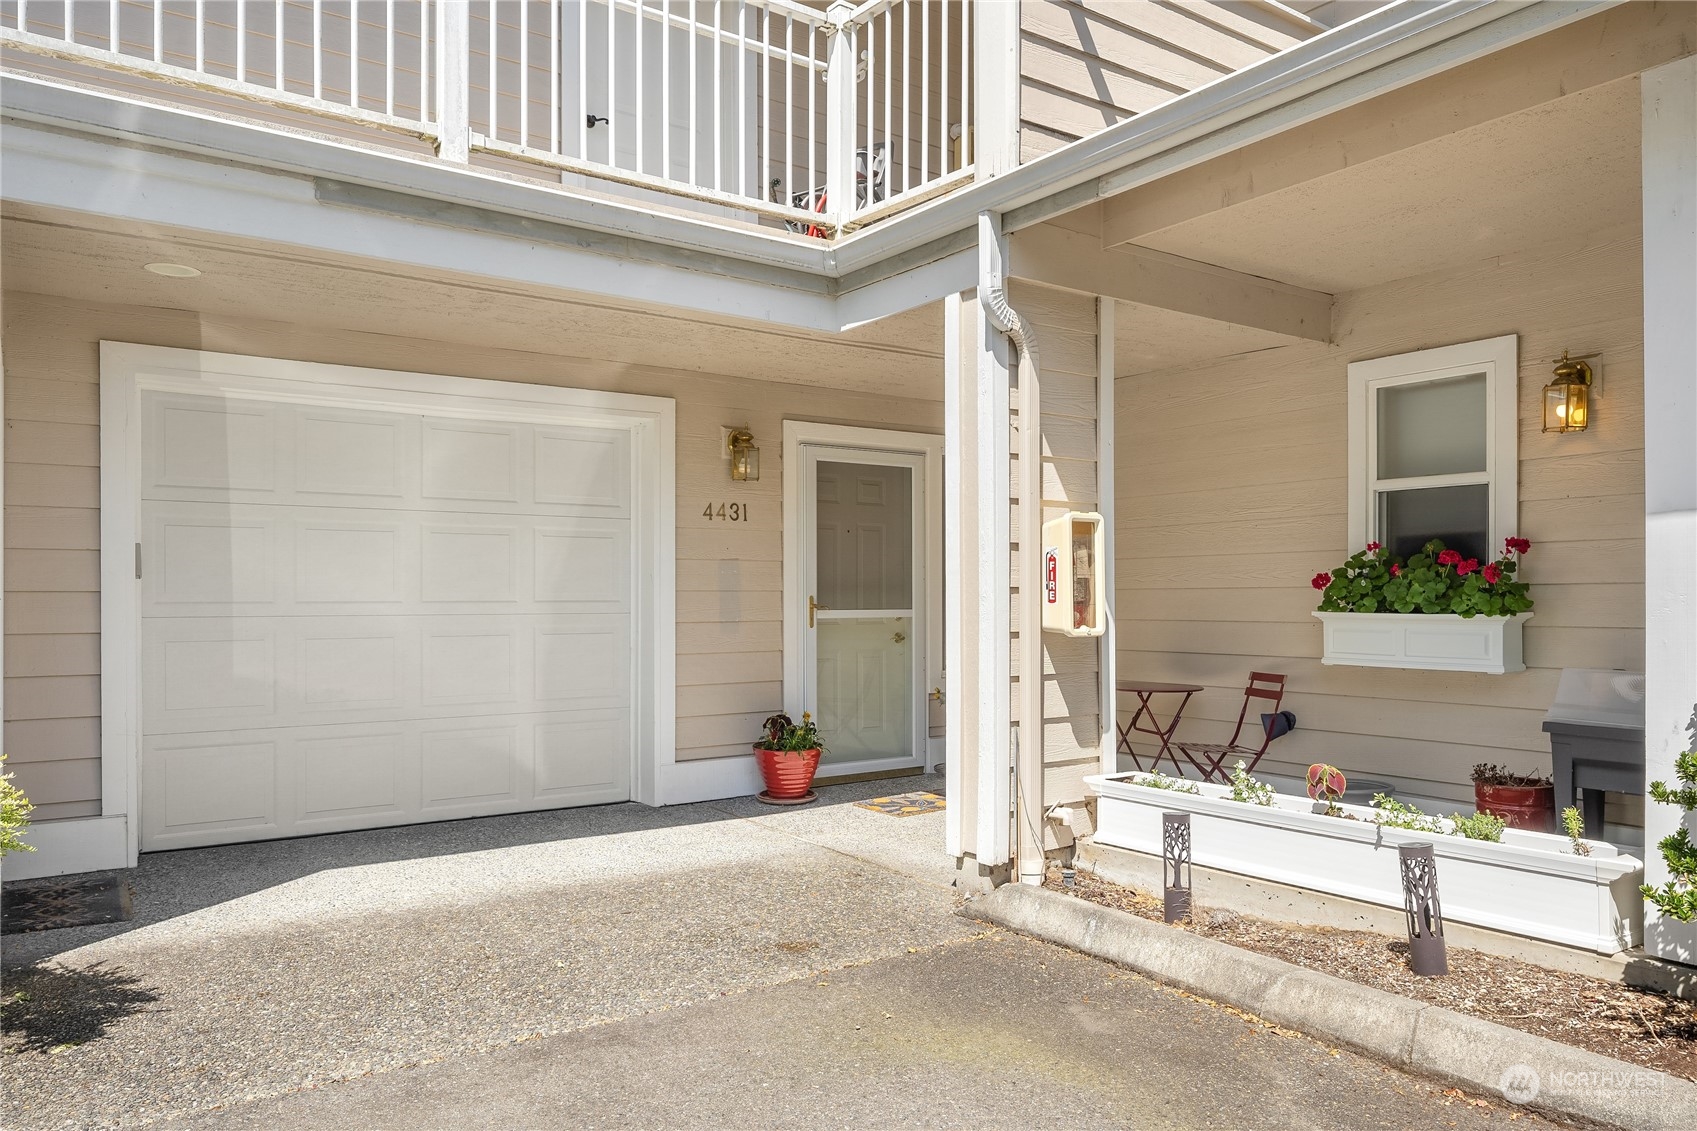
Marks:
<point>1567,399</point>
<point>745,457</point>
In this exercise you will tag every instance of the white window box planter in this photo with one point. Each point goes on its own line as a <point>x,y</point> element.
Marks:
<point>1432,641</point>
<point>1530,884</point>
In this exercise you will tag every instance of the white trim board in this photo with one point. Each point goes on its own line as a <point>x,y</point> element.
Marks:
<point>929,447</point>
<point>126,370</point>
<point>65,848</point>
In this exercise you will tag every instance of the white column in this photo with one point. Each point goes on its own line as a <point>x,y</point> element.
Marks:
<point>1670,459</point>
<point>976,557</point>
<point>841,127</point>
<point>453,81</point>
<point>995,82</point>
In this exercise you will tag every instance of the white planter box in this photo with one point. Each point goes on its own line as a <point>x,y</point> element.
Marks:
<point>1432,641</point>
<point>1531,884</point>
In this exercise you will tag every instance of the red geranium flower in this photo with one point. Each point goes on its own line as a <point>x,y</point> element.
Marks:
<point>1371,546</point>
<point>1467,567</point>
<point>1321,580</point>
<point>1449,557</point>
<point>1396,570</point>
<point>1516,545</point>
<point>1492,573</point>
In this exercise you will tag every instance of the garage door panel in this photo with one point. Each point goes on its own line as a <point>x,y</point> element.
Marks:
<point>211,444</point>
<point>464,462</point>
<point>209,788</point>
<point>583,761</point>
<point>211,561</point>
<point>469,564</point>
<point>583,566</point>
<point>358,456</point>
<point>354,618</point>
<point>582,468</point>
<point>348,778</point>
<point>348,563</point>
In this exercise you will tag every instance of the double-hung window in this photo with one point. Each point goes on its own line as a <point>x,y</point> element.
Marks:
<point>1432,450</point>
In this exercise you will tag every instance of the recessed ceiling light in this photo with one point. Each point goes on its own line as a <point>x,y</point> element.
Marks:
<point>173,270</point>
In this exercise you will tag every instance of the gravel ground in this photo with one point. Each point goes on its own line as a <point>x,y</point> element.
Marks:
<point>256,970</point>
<point>1644,1028</point>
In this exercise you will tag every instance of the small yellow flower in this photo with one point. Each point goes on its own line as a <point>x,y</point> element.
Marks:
<point>806,715</point>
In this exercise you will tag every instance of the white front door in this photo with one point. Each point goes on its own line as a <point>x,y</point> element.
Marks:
<point>353,617</point>
<point>862,521</point>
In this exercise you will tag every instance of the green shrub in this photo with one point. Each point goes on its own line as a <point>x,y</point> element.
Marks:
<point>1393,814</point>
<point>14,815</point>
<point>1479,826</point>
<point>1574,825</point>
<point>1678,897</point>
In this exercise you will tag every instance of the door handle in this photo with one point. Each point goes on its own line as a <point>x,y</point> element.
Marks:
<point>813,609</point>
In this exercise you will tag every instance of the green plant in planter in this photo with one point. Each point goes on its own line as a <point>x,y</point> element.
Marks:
<point>14,815</point>
<point>1327,783</point>
<point>780,732</point>
<point>1678,897</point>
<point>1158,780</point>
<point>1436,580</point>
<point>1393,814</point>
<point>1573,823</point>
<point>1246,789</point>
<point>1479,826</point>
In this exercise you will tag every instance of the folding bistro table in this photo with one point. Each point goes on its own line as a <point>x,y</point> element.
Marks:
<point>1146,690</point>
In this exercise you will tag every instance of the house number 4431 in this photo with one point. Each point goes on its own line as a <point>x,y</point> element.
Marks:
<point>726,512</point>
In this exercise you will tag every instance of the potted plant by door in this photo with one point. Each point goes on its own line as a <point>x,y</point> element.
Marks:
<point>1525,801</point>
<point>788,754</point>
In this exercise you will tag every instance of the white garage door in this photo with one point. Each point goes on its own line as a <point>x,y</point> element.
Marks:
<point>353,617</point>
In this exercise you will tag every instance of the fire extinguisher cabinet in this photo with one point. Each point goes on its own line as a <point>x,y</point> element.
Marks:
<point>1072,575</point>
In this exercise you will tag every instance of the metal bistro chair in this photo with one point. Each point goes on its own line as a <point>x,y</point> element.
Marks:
<point>1210,757</point>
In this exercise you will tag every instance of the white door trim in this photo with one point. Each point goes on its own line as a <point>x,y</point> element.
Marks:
<point>126,370</point>
<point>930,448</point>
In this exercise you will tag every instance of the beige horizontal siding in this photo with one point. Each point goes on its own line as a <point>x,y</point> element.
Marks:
<point>729,576</point>
<point>1226,509</point>
<point>1086,64</point>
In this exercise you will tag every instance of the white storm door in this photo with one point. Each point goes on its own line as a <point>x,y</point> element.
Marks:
<point>357,617</point>
<point>862,517</point>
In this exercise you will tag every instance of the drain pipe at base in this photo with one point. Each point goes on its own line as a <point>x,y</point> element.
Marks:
<point>1028,737</point>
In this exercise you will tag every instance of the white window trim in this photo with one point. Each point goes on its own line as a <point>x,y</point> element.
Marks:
<point>1498,359</point>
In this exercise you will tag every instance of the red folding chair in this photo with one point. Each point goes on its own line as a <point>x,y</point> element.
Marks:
<point>1210,757</point>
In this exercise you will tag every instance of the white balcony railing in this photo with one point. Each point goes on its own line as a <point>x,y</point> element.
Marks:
<point>735,103</point>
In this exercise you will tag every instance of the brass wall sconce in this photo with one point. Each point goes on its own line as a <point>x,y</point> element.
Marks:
<point>745,457</point>
<point>1567,399</point>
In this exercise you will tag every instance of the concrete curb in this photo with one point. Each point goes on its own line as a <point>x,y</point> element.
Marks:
<point>1480,1055</point>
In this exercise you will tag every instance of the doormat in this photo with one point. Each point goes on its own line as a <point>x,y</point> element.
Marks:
<point>905,804</point>
<point>47,905</point>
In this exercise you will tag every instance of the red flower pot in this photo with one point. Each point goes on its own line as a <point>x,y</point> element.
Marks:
<point>788,773</point>
<point>1530,807</point>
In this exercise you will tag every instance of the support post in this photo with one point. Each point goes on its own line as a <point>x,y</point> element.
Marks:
<point>1669,94</point>
<point>995,81</point>
<point>453,82</point>
<point>841,129</point>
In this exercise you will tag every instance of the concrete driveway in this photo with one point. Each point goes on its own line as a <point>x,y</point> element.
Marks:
<point>529,971</point>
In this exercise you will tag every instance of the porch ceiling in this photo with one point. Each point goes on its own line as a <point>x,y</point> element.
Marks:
<point>1565,167</point>
<point>71,255</point>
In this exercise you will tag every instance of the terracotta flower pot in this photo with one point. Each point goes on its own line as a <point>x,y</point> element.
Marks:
<point>788,773</point>
<point>1522,806</point>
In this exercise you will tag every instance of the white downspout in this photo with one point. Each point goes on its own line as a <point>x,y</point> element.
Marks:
<point>1028,754</point>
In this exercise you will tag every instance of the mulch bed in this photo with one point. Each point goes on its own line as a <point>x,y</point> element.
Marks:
<point>1650,1029</point>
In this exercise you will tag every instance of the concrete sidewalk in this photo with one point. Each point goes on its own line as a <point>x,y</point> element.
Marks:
<point>710,965</point>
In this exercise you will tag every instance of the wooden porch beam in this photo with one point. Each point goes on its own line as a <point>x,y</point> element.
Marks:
<point>1617,44</point>
<point>1078,262</point>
